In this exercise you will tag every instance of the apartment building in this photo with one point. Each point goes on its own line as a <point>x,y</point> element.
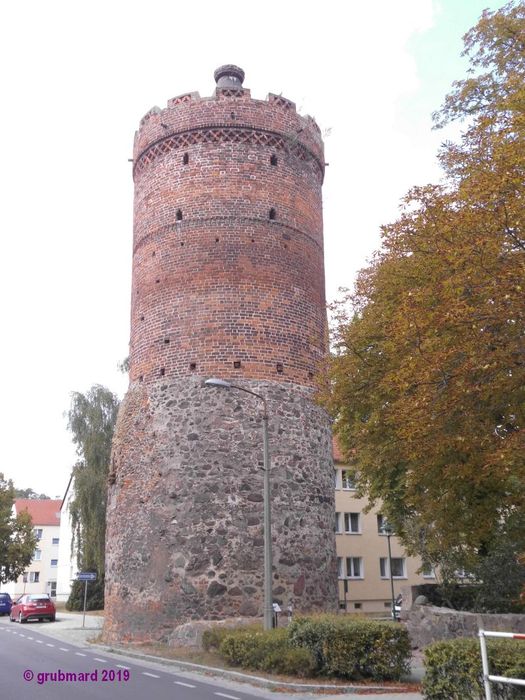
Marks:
<point>41,575</point>
<point>362,552</point>
<point>67,560</point>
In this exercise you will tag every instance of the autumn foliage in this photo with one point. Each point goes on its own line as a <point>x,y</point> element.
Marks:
<point>428,375</point>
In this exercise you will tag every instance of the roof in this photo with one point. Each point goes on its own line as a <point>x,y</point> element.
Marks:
<point>42,511</point>
<point>336,450</point>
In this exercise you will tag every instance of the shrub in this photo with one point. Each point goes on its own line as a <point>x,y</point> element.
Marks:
<point>353,648</point>
<point>212,638</point>
<point>95,595</point>
<point>290,661</point>
<point>454,670</point>
<point>251,647</point>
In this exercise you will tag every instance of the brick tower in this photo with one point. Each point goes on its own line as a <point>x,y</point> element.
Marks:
<point>228,282</point>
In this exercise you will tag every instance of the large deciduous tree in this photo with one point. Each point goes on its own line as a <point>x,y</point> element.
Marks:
<point>17,538</point>
<point>92,419</point>
<point>428,376</point>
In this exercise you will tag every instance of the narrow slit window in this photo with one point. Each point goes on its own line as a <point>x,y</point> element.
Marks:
<point>185,159</point>
<point>280,367</point>
<point>272,214</point>
<point>162,371</point>
<point>179,215</point>
<point>273,160</point>
<point>237,364</point>
<point>193,366</point>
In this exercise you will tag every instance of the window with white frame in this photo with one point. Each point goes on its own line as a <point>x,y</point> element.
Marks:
<point>38,533</point>
<point>398,567</point>
<point>347,480</point>
<point>37,555</point>
<point>339,523</point>
<point>55,540</point>
<point>381,521</point>
<point>427,571</point>
<point>54,562</point>
<point>354,567</point>
<point>352,523</point>
<point>34,576</point>
<point>340,567</point>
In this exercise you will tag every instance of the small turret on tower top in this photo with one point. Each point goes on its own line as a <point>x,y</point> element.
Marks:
<point>229,76</point>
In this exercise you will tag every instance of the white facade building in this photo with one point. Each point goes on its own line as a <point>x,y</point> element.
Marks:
<point>41,575</point>
<point>67,562</point>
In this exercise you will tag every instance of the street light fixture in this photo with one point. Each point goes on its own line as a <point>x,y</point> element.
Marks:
<point>268,606</point>
<point>388,531</point>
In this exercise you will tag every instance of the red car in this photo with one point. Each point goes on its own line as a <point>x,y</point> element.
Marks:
<point>33,606</point>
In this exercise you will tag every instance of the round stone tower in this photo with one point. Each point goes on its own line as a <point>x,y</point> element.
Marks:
<point>228,282</point>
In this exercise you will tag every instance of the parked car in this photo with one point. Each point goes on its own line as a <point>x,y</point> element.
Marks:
<point>33,606</point>
<point>5,603</point>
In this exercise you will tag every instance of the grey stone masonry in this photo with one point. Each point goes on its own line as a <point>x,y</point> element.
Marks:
<point>185,506</point>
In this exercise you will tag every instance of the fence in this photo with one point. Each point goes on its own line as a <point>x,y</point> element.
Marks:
<point>487,678</point>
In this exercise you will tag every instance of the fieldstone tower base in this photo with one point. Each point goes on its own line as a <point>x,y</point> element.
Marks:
<point>187,481</point>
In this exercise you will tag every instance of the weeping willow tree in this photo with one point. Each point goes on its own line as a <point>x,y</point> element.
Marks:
<point>91,420</point>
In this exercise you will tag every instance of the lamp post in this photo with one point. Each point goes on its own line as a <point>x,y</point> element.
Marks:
<point>388,531</point>
<point>268,607</point>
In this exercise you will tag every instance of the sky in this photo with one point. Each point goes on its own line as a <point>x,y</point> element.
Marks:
<point>76,80</point>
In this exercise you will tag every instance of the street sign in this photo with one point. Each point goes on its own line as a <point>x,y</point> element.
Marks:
<point>86,576</point>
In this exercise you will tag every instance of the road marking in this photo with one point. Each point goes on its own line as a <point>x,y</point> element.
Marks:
<point>79,654</point>
<point>121,666</point>
<point>101,660</point>
<point>63,649</point>
<point>223,695</point>
<point>22,635</point>
<point>38,641</point>
<point>31,638</point>
<point>152,675</point>
<point>49,645</point>
<point>186,685</point>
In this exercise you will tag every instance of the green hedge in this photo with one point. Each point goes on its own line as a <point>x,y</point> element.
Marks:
<point>453,669</point>
<point>353,648</point>
<point>325,645</point>
<point>254,648</point>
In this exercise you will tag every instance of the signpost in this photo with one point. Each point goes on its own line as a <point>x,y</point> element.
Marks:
<point>86,576</point>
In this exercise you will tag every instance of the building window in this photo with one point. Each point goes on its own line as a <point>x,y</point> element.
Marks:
<point>352,523</point>
<point>340,568</point>
<point>54,562</point>
<point>338,528</point>
<point>336,480</point>
<point>347,480</point>
<point>38,533</point>
<point>55,540</point>
<point>52,587</point>
<point>354,567</point>
<point>34,576</point>
<point>398,567</point>
<point>24,578</point>
<point>37,556</point>
<point>381,521</point>
<point>427,571</point>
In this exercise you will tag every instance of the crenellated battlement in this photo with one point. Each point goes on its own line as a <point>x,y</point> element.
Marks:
<point>231,107</point>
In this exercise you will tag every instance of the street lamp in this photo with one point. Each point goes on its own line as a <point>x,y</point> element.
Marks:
<point>388,531</point>
<point>268,607</point>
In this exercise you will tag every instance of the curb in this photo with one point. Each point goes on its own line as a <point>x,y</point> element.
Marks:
<point>247,678</point>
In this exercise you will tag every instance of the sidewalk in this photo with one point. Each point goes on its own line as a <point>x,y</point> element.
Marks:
<point>68,627</point>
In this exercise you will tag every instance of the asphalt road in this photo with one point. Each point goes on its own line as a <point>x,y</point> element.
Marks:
<point>26,656</point>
